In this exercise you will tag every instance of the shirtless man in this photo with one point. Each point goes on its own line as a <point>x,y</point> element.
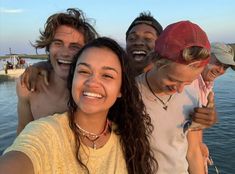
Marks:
<point>64,35</point>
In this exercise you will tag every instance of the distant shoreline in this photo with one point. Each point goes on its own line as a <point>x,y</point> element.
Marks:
<point>32,56</point>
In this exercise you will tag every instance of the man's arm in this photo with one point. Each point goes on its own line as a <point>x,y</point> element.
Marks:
<point>194,155</point>
<point>15,162</point>
<point>23,107</point>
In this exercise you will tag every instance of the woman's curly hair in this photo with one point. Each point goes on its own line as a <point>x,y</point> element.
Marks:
<point>133,124</point>
<point>73,18</point>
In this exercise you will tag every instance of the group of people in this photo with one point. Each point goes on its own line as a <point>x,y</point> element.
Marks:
<point>101,109</point>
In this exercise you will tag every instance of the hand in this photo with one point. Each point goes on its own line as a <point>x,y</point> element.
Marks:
<point>205,154</point>
<point>30,77</point>
<point>204,150</point>
<point>206,115</point>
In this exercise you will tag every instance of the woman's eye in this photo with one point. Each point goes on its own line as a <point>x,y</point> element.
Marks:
<point>108,76</point>
<point>83,72</point>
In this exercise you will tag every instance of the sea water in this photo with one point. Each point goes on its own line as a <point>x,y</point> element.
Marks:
<point>220,138</point>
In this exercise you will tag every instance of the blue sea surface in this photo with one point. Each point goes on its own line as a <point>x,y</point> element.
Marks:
<point>220,138</point>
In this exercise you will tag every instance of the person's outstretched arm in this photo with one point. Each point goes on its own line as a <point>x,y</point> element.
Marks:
<point>15,162</point>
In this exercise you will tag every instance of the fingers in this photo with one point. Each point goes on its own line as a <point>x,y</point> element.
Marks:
<point>204,150</point>
<point>24,78</point>
<point>45,75</point>
<point>204,123</point>
<point>210,100</point>
<point>33,77</point>
<point>205,116</point>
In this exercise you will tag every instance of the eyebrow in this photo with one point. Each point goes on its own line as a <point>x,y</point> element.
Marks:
<point>56,40</point>
<point>145,32</point>
<point>73,43</point>
<point>104,67</point>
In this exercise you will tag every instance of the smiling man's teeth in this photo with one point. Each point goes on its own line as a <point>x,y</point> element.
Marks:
<point>64,61</point>
<point>139,52</point>
<point>90,94</point>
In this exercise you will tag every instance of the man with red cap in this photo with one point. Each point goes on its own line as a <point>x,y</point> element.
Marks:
<point>181,52</point>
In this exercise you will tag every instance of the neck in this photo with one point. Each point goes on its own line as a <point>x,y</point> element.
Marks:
<point>150,79</point>
<point>57,83</point>
<point>91,123</point>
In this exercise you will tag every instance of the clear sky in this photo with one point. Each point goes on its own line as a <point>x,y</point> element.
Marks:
<point>20,20</point>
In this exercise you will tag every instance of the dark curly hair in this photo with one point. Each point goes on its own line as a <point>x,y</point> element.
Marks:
<point>128,113</point>
<point>73,18</point>
<point>148,19</point>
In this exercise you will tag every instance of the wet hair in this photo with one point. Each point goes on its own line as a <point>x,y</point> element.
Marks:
<point>73,18</point>
<point>148,19</point>
<point>128,113</point>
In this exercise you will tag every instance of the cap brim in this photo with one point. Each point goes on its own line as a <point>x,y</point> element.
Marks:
<point>225,59</point>
<point>233,68</point>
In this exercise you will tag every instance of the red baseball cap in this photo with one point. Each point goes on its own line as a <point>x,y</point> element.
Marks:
<point>178,36</point>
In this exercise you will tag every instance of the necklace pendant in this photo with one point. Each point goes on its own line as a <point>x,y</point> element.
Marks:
<point>94,146</point>
<point>165,107</point>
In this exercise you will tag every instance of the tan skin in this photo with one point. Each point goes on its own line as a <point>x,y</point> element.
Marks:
<point>214,69</point>
<point>96,86</point>
<point>53,98</point>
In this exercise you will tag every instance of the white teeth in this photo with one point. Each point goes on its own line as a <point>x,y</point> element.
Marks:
<point>139,52</point>
<point>90,94</point>
<point>64,61</point>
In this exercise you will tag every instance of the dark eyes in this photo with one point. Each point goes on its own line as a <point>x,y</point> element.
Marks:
<point>75,47</point>
<point>108,76</point>
<point>71,47</point>
<point>134,38</point>
<point>57,43</point>
<point>104,76</point>
<point>83,72</point>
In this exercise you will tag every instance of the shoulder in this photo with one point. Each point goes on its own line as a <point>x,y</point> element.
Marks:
<point>140,80</point>
<point>47,125</point>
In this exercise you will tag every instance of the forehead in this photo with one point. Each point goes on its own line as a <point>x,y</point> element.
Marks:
<point>100,57</point>
<point>69,34</point>
<point>214,60</point>
<point>143,29</point>
<point>182,73</point>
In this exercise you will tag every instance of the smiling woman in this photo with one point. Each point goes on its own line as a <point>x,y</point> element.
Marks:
<point>105,130</point>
